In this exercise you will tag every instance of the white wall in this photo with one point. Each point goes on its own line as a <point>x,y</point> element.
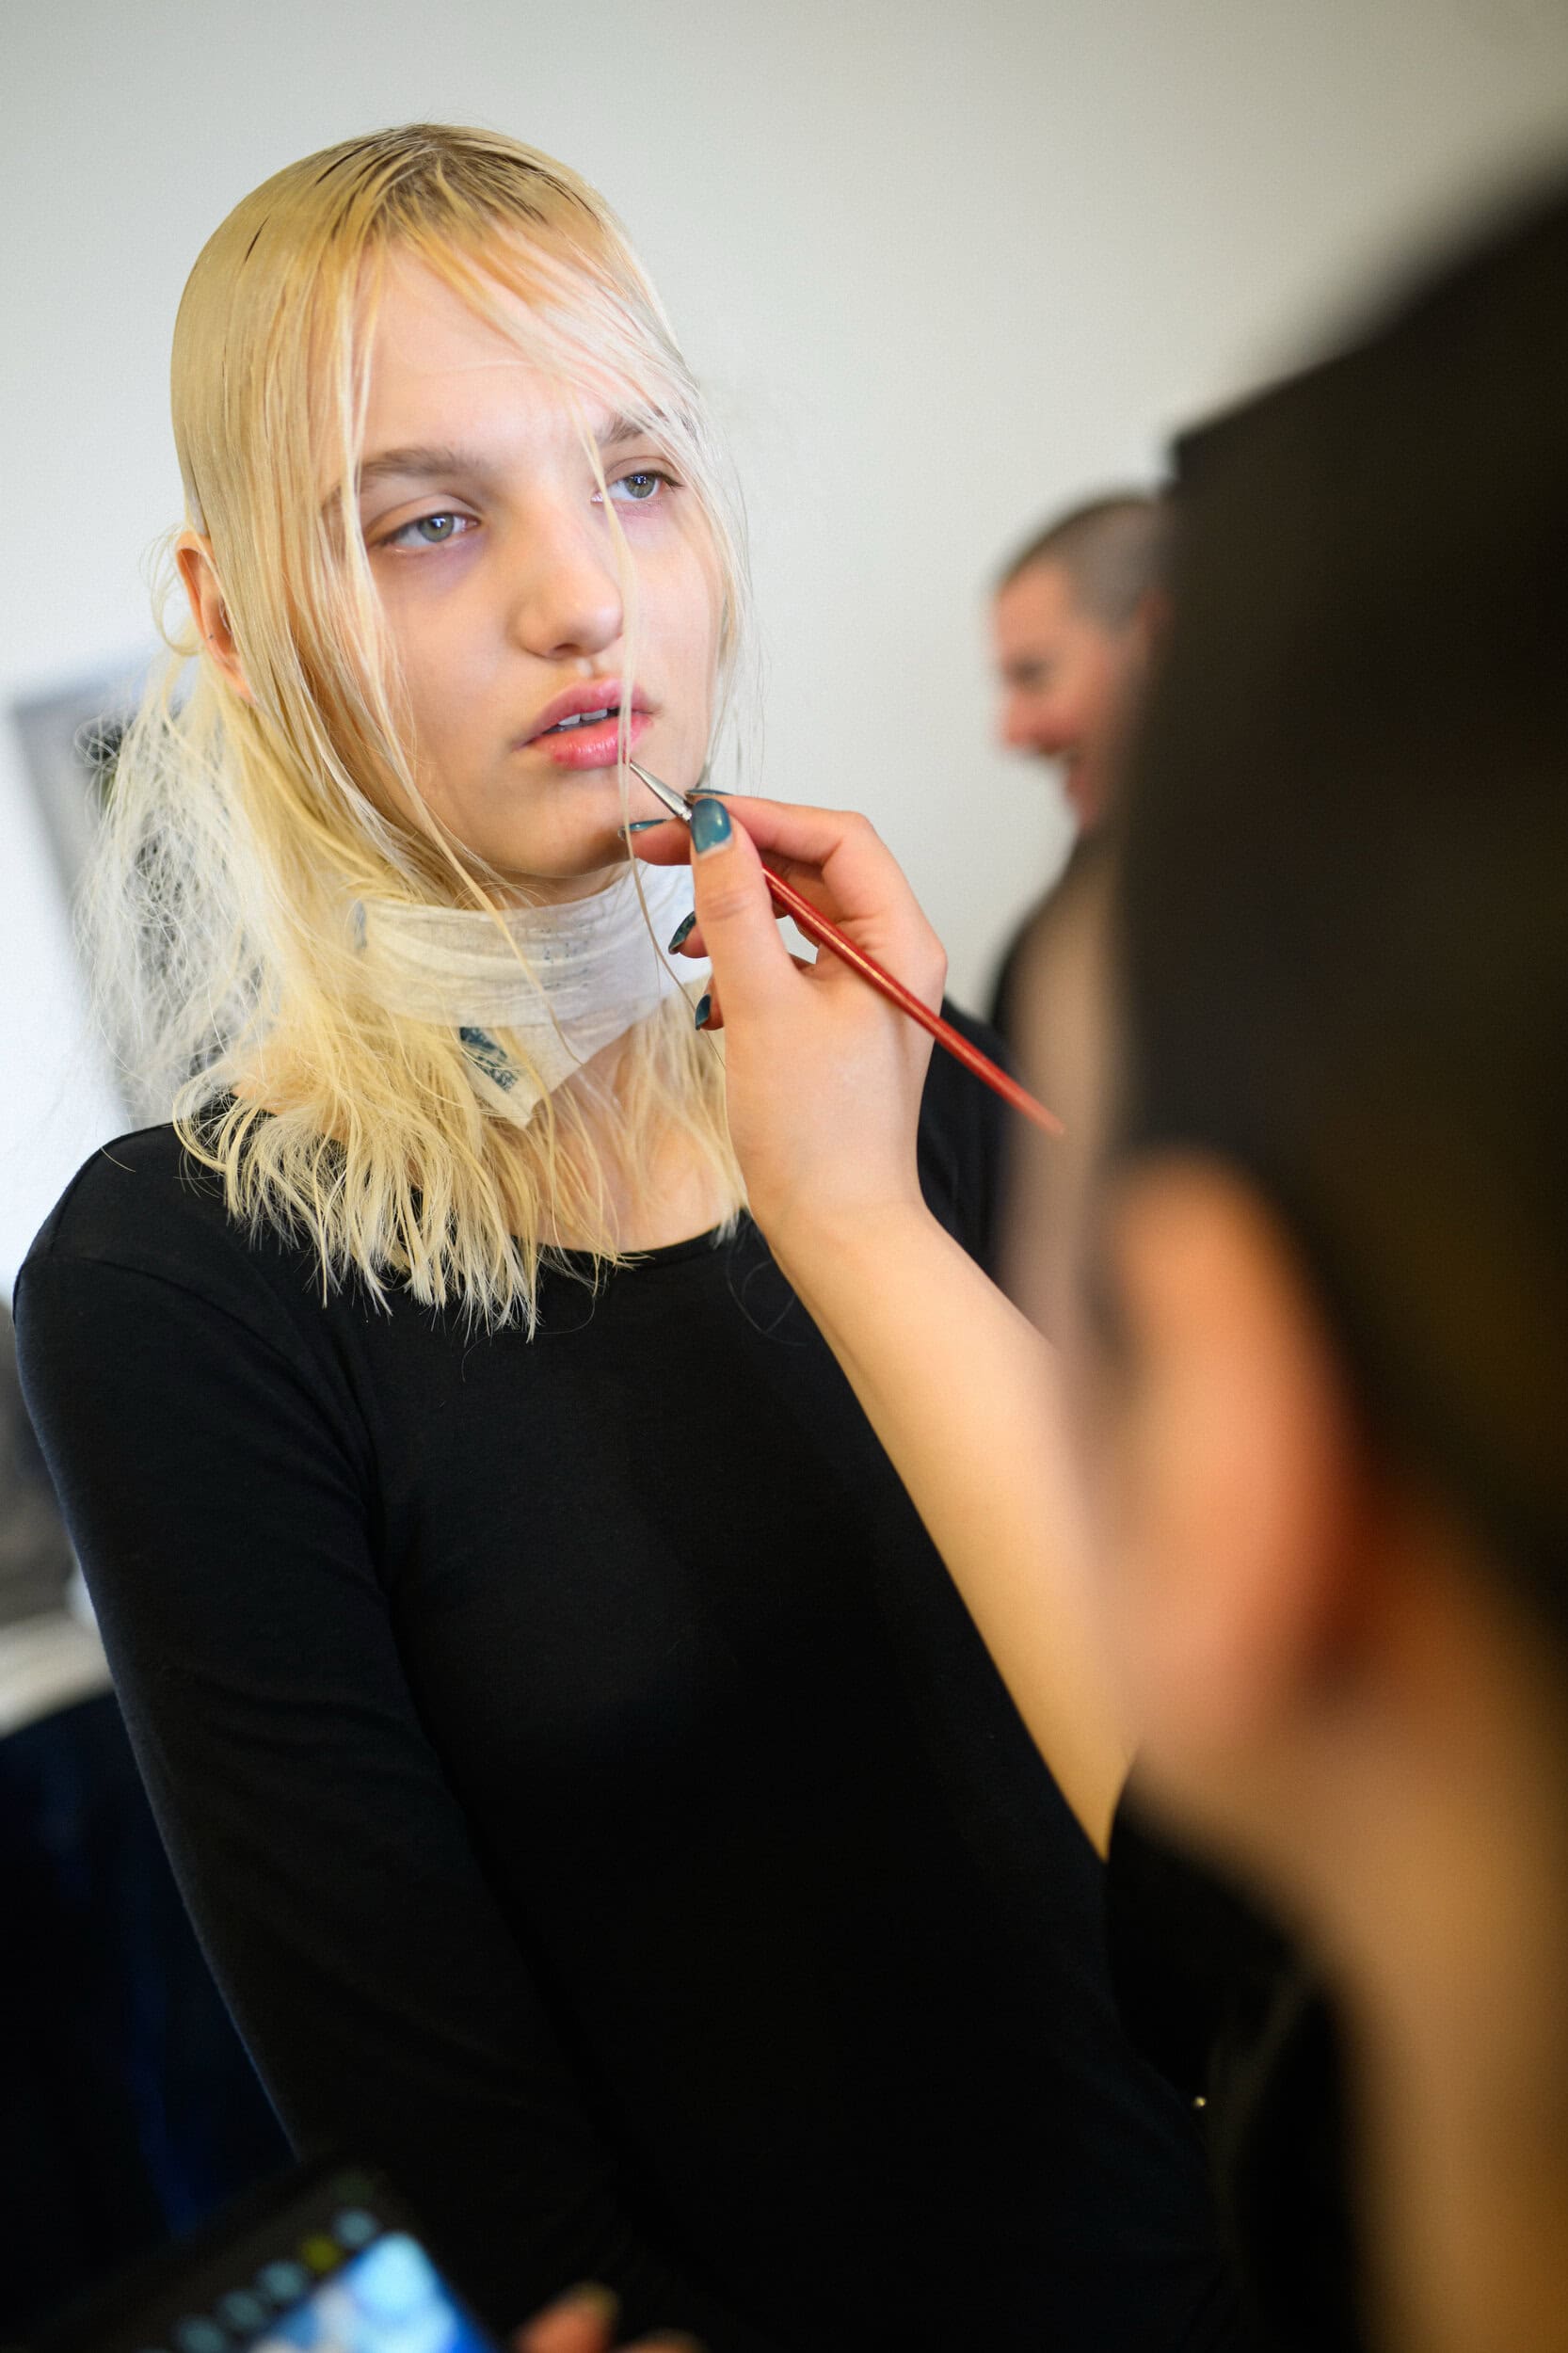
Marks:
<point>946,266</point>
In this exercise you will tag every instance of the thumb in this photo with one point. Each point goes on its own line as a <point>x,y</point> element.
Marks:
<point>740,931</point>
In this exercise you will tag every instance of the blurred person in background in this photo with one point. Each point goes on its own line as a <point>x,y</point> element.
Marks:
<point>1077,619</point>
<point>128,2109</point>
<point>1074,619</point>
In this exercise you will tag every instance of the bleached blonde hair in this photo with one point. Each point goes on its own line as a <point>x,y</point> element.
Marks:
<point>241,834</point>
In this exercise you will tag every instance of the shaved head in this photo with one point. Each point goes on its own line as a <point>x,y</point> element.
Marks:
<point>1110,550</point>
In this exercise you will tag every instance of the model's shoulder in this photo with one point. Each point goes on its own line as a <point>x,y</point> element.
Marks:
<point>143,1211</point>
<point>129,1196</point>
<point>144,1205</point>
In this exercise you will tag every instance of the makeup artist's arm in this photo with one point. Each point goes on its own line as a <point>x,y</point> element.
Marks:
<point>824,1085</point>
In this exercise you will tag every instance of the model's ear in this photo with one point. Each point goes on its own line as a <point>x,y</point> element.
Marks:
<point>1236,1482</point>
<point>194,556</point>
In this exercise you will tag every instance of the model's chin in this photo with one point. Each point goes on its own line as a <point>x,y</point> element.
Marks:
<point>550,881</point>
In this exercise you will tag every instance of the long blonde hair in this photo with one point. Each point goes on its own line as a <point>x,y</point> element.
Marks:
<point>240,835</point>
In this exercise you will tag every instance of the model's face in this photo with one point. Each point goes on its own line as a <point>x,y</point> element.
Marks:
<point>1061,676</point>
<point>493,558</point>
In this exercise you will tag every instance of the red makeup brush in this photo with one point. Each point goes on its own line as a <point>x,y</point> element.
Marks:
<point>788,901</point>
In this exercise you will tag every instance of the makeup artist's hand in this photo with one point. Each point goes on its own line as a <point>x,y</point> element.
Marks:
<point>585,2322</point>
<point>824,1076</point>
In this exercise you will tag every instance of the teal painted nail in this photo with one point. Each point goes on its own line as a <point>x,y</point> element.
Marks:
<point>704,1007</point>
<point>641,825</point>
<point>710,827</point>
<point>682,931</point>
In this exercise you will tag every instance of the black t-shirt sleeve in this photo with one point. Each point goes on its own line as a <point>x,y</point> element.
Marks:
<point>221,1497</point>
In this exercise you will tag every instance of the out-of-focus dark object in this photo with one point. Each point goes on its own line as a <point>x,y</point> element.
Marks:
<point>128,2108</point>
<point>1340,948</point>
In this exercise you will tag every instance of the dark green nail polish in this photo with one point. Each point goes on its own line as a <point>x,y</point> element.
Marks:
<point>641,825</point>
<point>682,932</point>
<point>710,826</point>
<point>704,1007</point>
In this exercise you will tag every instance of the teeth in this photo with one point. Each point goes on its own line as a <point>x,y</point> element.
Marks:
<point>586,718</point>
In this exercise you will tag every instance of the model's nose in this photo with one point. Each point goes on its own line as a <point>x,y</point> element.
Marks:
<point>568,596</point>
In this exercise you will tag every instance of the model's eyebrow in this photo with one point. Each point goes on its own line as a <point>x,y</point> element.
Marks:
<point>622,428</point>
<point>420,460</point>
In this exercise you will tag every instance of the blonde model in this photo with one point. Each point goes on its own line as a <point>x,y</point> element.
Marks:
<point>597,1807</point>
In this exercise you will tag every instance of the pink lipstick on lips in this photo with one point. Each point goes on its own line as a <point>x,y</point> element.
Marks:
<point>581,728</point>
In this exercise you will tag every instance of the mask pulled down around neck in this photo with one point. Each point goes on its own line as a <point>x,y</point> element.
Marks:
<point>565,980</point>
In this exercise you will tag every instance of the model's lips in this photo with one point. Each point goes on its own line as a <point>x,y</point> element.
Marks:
<point>581,728</point>
<point>592,744</point>
<point>590,698</point>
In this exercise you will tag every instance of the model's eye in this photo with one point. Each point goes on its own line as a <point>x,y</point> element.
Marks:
<point>639,487</point>
<point>429,531</point>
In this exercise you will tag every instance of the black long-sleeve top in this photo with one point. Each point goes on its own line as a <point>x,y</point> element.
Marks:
<point>596,1802</point>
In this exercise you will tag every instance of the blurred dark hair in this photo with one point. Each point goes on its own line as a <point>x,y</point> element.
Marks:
<point>1112,552</point>
<point>1342,886</point>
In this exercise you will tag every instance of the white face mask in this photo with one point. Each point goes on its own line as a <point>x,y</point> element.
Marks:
<point>589,972</point>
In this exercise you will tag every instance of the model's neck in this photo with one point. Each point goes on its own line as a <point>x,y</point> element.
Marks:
<point>676,1195</point>
<point>550,890</point>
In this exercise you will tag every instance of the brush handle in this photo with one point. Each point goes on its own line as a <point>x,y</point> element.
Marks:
<point>827,935</point>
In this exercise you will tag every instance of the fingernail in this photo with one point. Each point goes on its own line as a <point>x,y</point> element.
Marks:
<point>641,825</point>
<point>710,826</point>
<point>704,1007</point>
<point>682,931</point>
<point>695,791</point>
